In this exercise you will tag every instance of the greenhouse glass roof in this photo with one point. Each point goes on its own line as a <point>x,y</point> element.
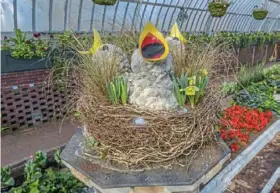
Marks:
<point>83,15</point>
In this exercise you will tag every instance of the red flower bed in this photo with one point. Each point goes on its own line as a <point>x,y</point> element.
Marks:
<point>237,122</point>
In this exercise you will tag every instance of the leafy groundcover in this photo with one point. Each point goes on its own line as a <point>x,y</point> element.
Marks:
<point>38,178</point>
<point>260,95</point>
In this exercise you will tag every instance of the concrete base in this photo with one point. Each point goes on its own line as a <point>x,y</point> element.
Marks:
<point>88,168</point>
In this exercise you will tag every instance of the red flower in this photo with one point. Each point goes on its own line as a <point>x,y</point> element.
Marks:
<point>237,122</point>
<point>36,35</point>
<point>234,147</point>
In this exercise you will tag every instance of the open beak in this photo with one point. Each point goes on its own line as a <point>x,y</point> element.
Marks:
<point>152,44</point>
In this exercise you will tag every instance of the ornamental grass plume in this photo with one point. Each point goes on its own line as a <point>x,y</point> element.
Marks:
<point>213,57</point>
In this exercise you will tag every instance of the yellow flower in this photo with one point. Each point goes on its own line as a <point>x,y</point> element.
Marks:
<point>204,72</point>
<point>190,91</point>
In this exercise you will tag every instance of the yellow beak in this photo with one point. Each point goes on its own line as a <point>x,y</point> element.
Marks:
<point>97,43</point>
<point>175,33</point>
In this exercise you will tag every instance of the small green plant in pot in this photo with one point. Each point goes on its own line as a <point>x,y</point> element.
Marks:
<point>104,2</point>
<point>259,13</point>
<point>218,8</point>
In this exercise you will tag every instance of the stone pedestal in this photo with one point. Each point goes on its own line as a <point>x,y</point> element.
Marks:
<point>82,162</point>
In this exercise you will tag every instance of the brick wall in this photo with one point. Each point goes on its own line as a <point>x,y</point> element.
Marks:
<point>27,100</point>
<point>23,78</point>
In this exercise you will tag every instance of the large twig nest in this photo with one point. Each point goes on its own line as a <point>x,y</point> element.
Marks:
<point>168,137</point>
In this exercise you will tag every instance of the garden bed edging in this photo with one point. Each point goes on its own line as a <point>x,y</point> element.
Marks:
<point>224,178</point>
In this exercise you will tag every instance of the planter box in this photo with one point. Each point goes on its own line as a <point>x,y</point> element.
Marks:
<point>10,64</point>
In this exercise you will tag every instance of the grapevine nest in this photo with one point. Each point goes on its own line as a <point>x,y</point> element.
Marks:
<point>168,138</point>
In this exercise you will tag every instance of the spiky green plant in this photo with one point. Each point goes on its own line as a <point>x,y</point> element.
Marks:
<point>178,85</point>
<point>112,93</point>
<point>124,91</point>
<point>118,90</point>
<point>202,80</point>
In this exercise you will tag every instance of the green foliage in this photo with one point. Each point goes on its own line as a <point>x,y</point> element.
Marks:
<point>118,90</point>
<point>236,39</point>
<point>104,2</point>
<point>256,96</point>
<point>229,88</point>
<point>65,39</point>
<point>193,88</point>
<point>40,159</point>
<point>178,85</point>
<point>218,8</point>
<point>250,75</point>
<point>57,156</point>
<point>21,47</point>
<point>247,75</point>
<point>260,94</point>
<point>4,128</point>
<point>6,178</point>
<point>38,179</point>
<point>91,141</point>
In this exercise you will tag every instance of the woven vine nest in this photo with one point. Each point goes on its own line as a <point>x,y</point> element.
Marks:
<point>170,137</point>
<point>260,14</point>
<point>218,9</point>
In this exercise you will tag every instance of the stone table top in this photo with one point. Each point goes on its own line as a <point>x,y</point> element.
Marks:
<point>106,178</point>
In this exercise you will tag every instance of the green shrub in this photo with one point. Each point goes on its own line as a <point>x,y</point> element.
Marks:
<point>21,47</point>
<point>39,179</point>
<point>247,75</point>
<point>260,94</point>
<point>6,178</point>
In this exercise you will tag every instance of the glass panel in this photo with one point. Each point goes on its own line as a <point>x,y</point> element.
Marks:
<point>7,17</point>
<point>24,15</point>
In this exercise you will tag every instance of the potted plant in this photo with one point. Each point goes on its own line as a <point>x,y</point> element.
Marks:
<point>218,8</point>
<point>104,2</point>
<point>21,54</point>
<point>260,13</point>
